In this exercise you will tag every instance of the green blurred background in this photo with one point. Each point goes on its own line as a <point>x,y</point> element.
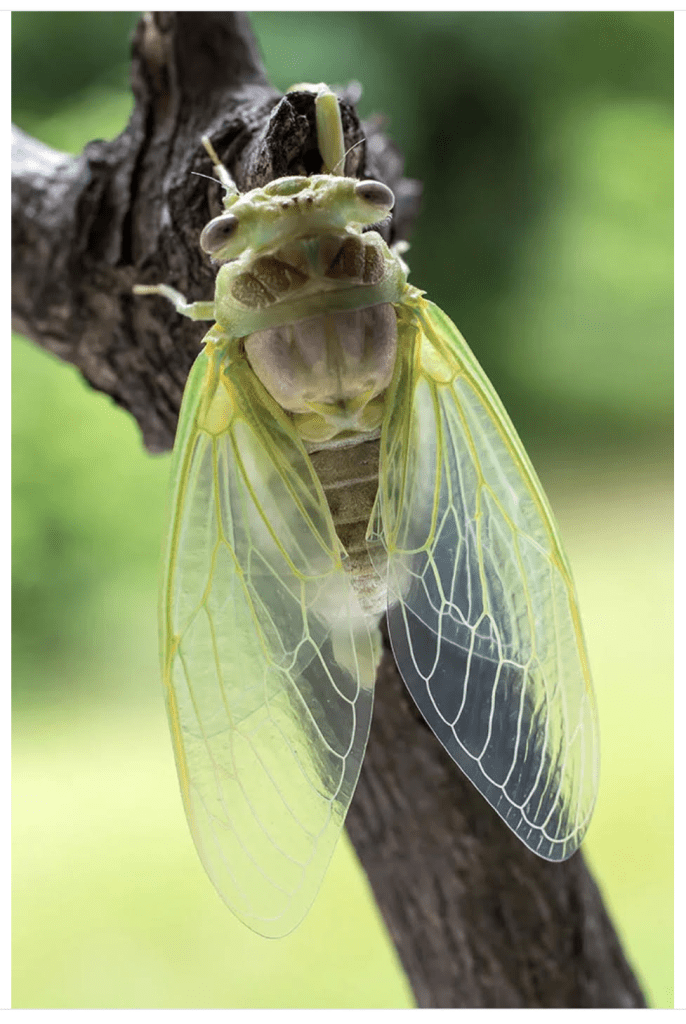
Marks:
<point>544,142</point>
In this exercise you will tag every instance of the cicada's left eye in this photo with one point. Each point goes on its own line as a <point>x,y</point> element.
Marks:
<point>377,195</point>
<point>218,233</point>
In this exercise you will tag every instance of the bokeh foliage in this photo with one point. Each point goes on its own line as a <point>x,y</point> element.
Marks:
<point>544,145</point>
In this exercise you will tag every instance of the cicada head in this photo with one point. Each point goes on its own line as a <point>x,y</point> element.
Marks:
<point>297,207</point>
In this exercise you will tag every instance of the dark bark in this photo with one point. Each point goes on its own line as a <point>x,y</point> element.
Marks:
<point>477,919</point>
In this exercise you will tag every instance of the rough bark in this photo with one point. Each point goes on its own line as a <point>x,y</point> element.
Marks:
<point>477,919</point>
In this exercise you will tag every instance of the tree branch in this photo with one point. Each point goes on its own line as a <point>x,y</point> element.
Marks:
<point>477,919</point>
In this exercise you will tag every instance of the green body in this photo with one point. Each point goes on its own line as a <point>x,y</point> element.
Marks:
<point>340,452</point>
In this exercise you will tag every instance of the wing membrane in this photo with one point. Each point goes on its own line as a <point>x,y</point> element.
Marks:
<point>268,662</point>
<point>482,610</point>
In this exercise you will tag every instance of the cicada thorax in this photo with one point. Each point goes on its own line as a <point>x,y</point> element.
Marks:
<point>329,371</point>
<point>328,368</point>
<point>314,261</point>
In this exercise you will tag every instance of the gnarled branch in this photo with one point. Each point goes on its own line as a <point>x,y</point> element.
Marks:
<point>477,919</point>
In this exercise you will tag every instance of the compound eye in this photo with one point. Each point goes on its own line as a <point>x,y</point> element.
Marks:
<point>218,232</point>
<point>376,194</point>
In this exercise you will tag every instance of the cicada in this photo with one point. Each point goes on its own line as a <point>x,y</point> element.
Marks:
<point>340,454</point>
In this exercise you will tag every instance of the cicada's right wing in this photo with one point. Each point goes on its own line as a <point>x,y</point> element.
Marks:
<point>268,661</point>
<point>483,616</point>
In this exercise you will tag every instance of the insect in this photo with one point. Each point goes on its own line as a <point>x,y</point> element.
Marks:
<point>340,453</point>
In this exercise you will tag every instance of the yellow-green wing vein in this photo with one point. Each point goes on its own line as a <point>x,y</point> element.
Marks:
<point>268,662</point>
<point>483,615</point>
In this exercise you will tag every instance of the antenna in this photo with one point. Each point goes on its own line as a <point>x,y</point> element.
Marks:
<point>344,157</point>
<point>206,177</point>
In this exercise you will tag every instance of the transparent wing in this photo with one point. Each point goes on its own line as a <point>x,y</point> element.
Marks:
<point>483,616</point>
<point>268,662</point>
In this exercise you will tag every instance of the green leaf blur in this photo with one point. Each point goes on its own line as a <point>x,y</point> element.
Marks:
<point>544,144</point>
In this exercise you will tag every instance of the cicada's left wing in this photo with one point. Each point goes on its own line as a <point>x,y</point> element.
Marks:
<point>483,615</point>
<point>268,661</point>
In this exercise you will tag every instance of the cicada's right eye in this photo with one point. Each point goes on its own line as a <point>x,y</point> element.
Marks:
<point>218,233</point>
<point>374,200</point>
<point>376,194</point>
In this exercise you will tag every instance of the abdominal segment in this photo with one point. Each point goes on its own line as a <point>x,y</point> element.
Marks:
<point>349,474</point>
